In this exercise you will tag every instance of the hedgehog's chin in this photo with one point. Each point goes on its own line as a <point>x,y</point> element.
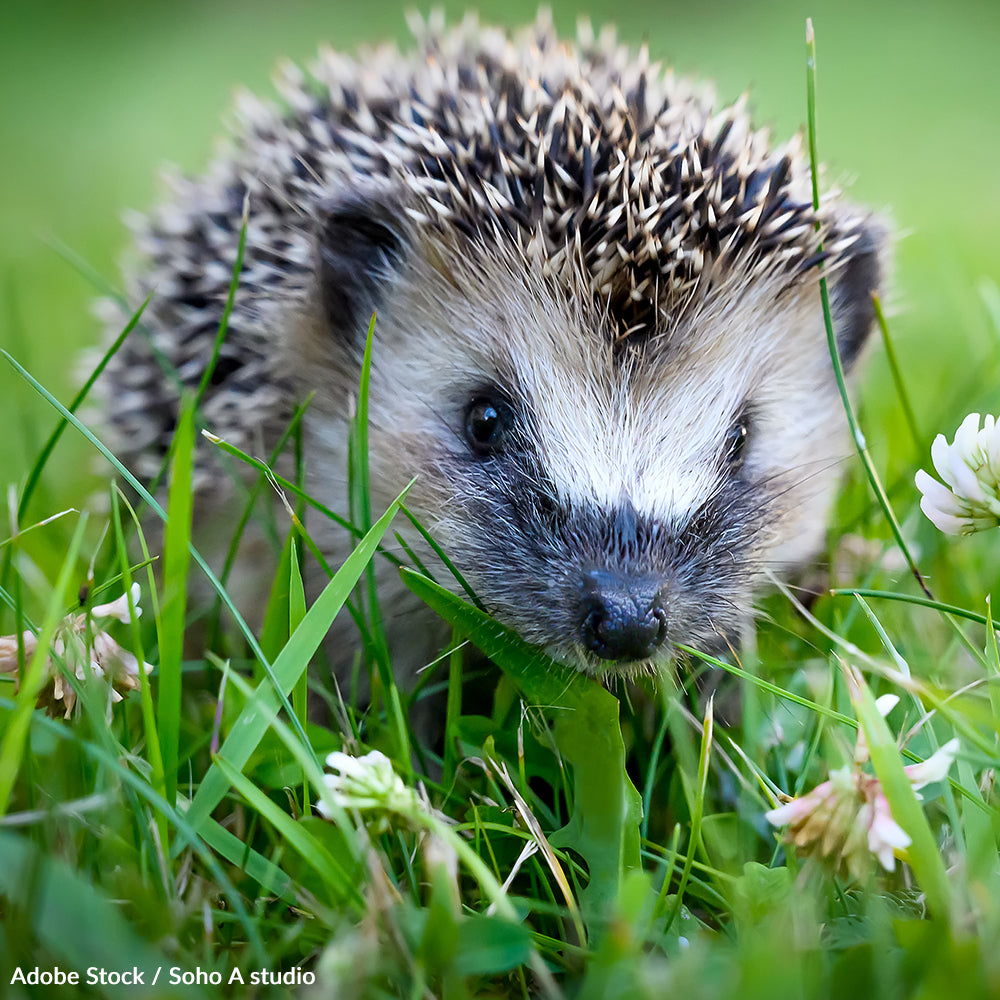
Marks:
<point>609,672</point>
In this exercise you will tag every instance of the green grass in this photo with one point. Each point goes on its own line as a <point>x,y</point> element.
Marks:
<point>184,829</point>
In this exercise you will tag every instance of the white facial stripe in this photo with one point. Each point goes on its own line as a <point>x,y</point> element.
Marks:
<point>605,440</point>
<point>654,437</point>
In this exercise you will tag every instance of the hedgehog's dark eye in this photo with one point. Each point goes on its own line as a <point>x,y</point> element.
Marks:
<point>486,425</point>
<point>736,439</point>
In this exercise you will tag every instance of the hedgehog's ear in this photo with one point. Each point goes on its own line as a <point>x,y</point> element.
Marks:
<point>851,291</point>
<point>362,241</point>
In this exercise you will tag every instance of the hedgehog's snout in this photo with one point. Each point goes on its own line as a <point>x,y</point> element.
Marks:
<point>624,617</point>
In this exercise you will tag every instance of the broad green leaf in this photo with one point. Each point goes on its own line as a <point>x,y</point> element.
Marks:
<point>607,809</point>
<point>488,944</point>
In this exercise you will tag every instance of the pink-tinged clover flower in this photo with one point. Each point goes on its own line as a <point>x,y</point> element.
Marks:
<point>93,654</point>
<point>969,499</point>
<point>847,818</point>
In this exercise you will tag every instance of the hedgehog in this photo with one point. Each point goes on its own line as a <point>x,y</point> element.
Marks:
<point>598,351</point>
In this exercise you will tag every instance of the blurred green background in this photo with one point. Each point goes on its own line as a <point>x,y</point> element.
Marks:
<point>96,96</point>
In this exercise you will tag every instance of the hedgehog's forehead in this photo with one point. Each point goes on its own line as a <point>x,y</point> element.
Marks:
<point>608,421</point>
<point>609,427</point>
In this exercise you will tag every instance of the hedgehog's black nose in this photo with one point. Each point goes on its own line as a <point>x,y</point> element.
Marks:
<point>623,617</point>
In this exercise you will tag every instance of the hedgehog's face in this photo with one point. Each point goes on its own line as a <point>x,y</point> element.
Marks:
<point>607,501</point>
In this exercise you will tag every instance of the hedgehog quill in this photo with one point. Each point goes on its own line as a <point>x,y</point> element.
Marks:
<point>599,346</point>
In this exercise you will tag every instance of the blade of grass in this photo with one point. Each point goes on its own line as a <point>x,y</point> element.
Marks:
<point>443,556</point>
<point>838,368</point>
<point>415,560</point>
<point>153,751</point>
<point>651,769</point>
<point>274,630</point>
<point>170,624</point>
<point>226,844</point>
<point>288,666</point>
<point>21,532</point>
<point>667,864</point>
<point>993,665</point>
<point>296,612</point>
<point>923,602</point>
<point>85,269</point>
<point>286,484</point>
<point>16,414</point>
<point>43,456</point>
<point>697,806</point>
<point>453,708</point>
<point>293,426</point>
<point>897,377</point>
<point>361,513</point>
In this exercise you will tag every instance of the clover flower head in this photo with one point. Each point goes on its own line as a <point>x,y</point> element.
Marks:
<point>847,818</point>
<point>366,782</point>
<point>96,654</point>
<point>969,499</point>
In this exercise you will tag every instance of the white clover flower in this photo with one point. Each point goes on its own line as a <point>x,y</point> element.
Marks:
<point>847,818</point>
<point>367,782</point>
<point>103,657</point>
<point>118,608</point>
<point>969,500</point>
